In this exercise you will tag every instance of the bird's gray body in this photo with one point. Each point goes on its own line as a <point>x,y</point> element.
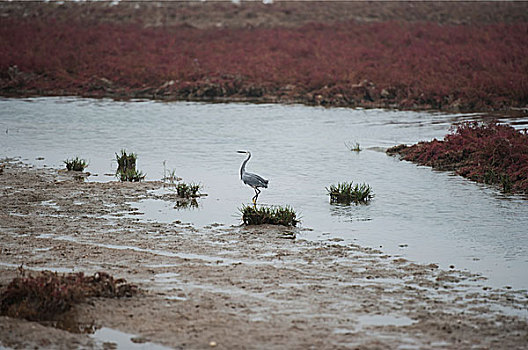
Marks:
<point>253,180</point>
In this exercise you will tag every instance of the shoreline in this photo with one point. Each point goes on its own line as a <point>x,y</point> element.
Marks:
<point>234,286</point>
<point>516,112</point>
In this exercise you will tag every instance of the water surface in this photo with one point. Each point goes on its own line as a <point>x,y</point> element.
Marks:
<point>420,214</point>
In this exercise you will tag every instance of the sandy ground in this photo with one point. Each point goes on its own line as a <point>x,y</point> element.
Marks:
<point>233,287</point>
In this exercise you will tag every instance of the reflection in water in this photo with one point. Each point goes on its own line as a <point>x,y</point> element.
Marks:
<point>442,218</point>
<point>351,212</point>
<point>186,204</point>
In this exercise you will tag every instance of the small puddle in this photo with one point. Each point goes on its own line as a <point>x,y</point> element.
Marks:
<point>40,268</point>
<point>51,204</point>
<point>159,210</point>
<point>121,340</point>
<point>384,320</point>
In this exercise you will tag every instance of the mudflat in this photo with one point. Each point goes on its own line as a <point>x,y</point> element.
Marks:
<point>231,287</point>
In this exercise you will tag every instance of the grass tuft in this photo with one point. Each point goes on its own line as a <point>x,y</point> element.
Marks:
<point>169,176</point>
<point>274,215</point>
<point>185,190</point>
<point>126,167</point>
<point>347,192</point>
<point>75,164</point>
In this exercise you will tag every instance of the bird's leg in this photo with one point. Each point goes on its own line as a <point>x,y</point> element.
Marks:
<point>257,192</point>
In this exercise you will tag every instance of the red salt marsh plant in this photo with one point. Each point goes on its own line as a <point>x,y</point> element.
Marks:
<point>42,296</point>
<point>471,67</point>
<point>485,152</point>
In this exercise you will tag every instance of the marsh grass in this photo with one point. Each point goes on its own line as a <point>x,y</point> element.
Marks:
<point>347,192</point>
<point>75,164</point>
<point>487,152</point>
<point>169,176</point>
<point>126,167</point>
<point>47,294</point>
<point>190,190</point>
<point>272,215</point>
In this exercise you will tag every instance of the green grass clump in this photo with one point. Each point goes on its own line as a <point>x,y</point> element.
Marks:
<point>274,215</point>
<point>347,192</point>
<point>126,167</point>
<point>75,164</point>
<point>185,190</point>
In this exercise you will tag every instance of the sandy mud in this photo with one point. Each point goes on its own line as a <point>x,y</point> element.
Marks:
<point>232,287</point>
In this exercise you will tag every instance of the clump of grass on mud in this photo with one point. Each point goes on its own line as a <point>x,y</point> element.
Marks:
<point>75,164</point>
<point>126,167</point>
<point>273,215</point>
<point>347,192</point>
<point>185,190</point>
<point>484,152</point>
<point>47,294</point>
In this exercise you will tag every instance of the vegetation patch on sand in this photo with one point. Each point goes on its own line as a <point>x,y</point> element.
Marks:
<point>126,167</point>
<point>186,190</point>
<point>47,294</point>
<point>491,153</point>
<point>271,215</point>
<point>75,164</point>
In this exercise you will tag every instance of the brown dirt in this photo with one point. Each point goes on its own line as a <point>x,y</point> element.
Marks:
<point>207,14</point>
<point>238,287</point>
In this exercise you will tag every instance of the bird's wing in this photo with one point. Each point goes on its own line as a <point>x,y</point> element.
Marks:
<point>254,180</point>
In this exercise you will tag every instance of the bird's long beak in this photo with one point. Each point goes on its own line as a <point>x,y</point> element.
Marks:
<point>241,151</point>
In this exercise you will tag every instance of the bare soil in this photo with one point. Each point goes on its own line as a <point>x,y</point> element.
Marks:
<point>232,287</point>
<point>251,14</point>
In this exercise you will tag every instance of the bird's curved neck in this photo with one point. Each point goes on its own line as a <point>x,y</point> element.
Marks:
<point>243,167</point>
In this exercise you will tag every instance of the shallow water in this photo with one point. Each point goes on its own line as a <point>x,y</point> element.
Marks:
<point>110,338</point>
<point>420,214</point>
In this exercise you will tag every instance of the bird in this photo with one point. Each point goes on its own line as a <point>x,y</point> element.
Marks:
<point>252,180</point>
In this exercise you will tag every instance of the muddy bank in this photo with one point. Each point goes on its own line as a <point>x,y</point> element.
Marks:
<point>233,287</point>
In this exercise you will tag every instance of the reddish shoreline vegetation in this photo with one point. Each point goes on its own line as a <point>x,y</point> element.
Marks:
<point>484,152</point>
<point>45,295</point>
<point>480,67</point>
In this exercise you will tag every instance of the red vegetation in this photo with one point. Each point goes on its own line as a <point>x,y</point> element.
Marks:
<point>489,153</point>
<point>391,64</point>
<point>41,297</point>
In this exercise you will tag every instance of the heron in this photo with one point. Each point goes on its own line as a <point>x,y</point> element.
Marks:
<point>252,180</point>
